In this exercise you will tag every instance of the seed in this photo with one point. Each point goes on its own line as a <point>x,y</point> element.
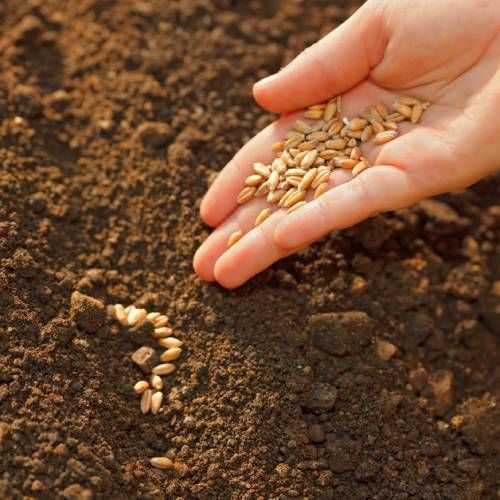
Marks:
<point>355,153</point>
<point>307,180</point>
<point>293,181</point>
<point>395,117</point>
<point>328,154</point>
<point>382,109</point>
<point>277,147</point>
<point>321,189</point>
<point>313,114</point>
<point>408,101</point>
<point>279,166</point>
<point>273,180</point>
<point>128,309</point>
<point>170,342</point>
<point>344,131</point>
<point>160,321</point>
<point>300,156</point>
<point>320,178</point>
<point>319,161</point>
<point>336,127</point>
<point>302,127</point>
<point>164,369</point>
<point>390,125</point>
<point>383,137</point>
<point>402,109</point>
<point>345,162</point>
<point>156,382</point>
<point>357,124</point>
<point>318,136</point>
<point>362,165</point>
<point>374,111</point>
<point>285,197</point>
<point>263,189</point>
<point>337,144</point>
<point>416,113</point>
<point>161,332</point>
<point>246,194</point>
<point>152,316</point>
<point>295,172</point>
<point>234,238</point>
<point>330,110</point>
<point>296,206</point>
<point>367,133</point>
<point>287,158</point>
<point>261,169</point>
<point>275,196</point>
<point>121,315</point>
<point>111,311</point>
<point>140,386</point>
<point>292,143</point>
<point>146,400</point>
<point>320,105</point>
<point>378,127</point>
<point>171,354</point>
<point>292,134</point>
<point>263,215</point>
<point>339,104</point>
<point>307,145</point>
<point>297,196</point>
<point>136,316</point>
<point>356,134</point>
<point>156,400</point>
<point>308,159</point>
<point>253,180</point>
<point>162,463</point>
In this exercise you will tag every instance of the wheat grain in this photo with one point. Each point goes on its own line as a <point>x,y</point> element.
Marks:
<point>395,117</point>
<point>121,314</point>
<point>388,125</point>
<point>262,190</point>
<point>164,369</point>
<point>160,321</point>
<point>277,147</point>
<point>367,133</point>
<point>162,462</point>
<point>152,316</point>
<point>262,170</point>
<point>263,215</point>
<point>294,198</point>
<point>156,400</point>
<point>383,137</point>
<point>171,354</point>
<point>136,316</point>
<point>313,114</point>
<point>253,180</point>
<point>141,386</point>
<point>416,113</point>
<point>322,176</point>
<point>296,207</point>
<point>308,159</point>
<point>357,124</point>
<point>234,238</point>
<point>275,196</point>
<point>246,194</point>
<point>162,332</point>
<point>321,189</point>
<point>301,127</point>
<point>362,165</point>
<point>402,109</point>
<point>156,382</point>
<point>408,101</point>
<point>330,110</point>
<point>146,400</point>
<point>307,180</point>
<point>170,342</point>
<point>345,162</point>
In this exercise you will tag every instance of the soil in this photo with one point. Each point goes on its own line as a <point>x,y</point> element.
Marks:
<point>365,367</point>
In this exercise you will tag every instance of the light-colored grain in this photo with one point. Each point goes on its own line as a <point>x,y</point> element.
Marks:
<point>141,386</point>
<point>416,113</point>
<point>308,159</point>
<point>279,166</point>
<point>345,162</point>
<point>293,180</point>
<point>292,143</point>
<point>295,172</point>
<point>294,198</point>
<point>315,127</point>
<point>321,177</point>
<point>307,145</point>
<point>156,382</point>
<point>296,207</point>
<point>121,315</point>
<point>330,110</point>
<point>152,316</point>
<point>408,101</point>
<point>136,316</point>
<point>261,169</point>
<point>111,311</point>
<point>352,142</point>
<point>390,125</point>
<point>262,190</point>
<point>367,133</point>
<point>313,114</point>
<point>234,238</point>
<point>301,127</point>
<point>162,332</point>
<point>287,158</point>
<point>402,109</point>
<point>263,215</point>
<point>318,162</point>
<point>170,342</point>
<point>328,154</point>
<point>129,308</point>
<point>246,194</point>
<point>156,401</point>
<point>307,180</point>
<point>339,104</point>
<point>275,196</point>
<point>377,127</point>
<point>357,124</point>
<point>164,369</point>
<point>382,109</point>
<point>292,134</point>
<point>160,321</point>
<point>337,144</point>
<point>253,180</point>
<point>277,147</point>
<point>335,127</point>
<point>300,156</point>
<point>162,463</point>
<point>383,137</point>
<point>171,354</point>
<point>318,136</point>
<point>356,134</point>
<point>374,111</point>
<point>355,153</point>
<point>362,165</point>
<point>395,117</point>
<point>273,180</point>
<point>321,189</point>
<point>146,400</point>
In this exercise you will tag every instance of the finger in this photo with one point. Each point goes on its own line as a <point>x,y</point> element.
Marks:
<point>375,190</point>
<point>243,220</point>
<point>220,200</point>
<point>336,63</point>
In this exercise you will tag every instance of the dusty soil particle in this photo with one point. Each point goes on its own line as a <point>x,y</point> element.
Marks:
<point>88,312</point>
<point>321,397</point>
<point>344,454</point>
<point>154,134</point>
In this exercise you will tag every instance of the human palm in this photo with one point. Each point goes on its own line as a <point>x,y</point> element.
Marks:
<point>385,51</point>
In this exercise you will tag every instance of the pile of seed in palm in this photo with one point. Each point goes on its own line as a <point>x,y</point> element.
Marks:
<point>312,149</point>
<point>146,358</point>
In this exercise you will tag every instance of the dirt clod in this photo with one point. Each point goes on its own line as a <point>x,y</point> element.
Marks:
<point>154,134</point>
<point>146,358</point>
<point>88,313</point>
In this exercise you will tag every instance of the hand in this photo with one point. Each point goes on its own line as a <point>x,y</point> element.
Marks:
<point>447,53</point>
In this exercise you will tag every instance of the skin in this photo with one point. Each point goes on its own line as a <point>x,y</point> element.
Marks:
<point>446,52</point>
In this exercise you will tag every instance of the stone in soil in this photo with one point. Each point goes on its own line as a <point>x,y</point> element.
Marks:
<point>441,382</point>
<point>343,454</point>
<point>321,397</point>
<point>341,334</point>
<point>88,313</point>
<point>146,358</point>
<point>154,134</point>
<point>385,350</point>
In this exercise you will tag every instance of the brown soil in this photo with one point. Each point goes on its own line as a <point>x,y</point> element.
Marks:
<point>287,387</point>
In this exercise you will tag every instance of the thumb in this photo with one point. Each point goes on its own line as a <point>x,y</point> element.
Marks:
<point>331,66</point>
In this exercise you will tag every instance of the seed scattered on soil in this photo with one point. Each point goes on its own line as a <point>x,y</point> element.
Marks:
<point>162,463</point>
<point>156,382</point>
<point>164,369</point>
<point>156,400</point>
<point>171,354</point>
<point>146,400</point>
<point>234,238</point>
<point>162,332</point>
<point>141,386</point>
<point>170,342</point>
<point>327,140</point>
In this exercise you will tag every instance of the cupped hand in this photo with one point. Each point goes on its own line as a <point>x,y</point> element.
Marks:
<point>446,53</point>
